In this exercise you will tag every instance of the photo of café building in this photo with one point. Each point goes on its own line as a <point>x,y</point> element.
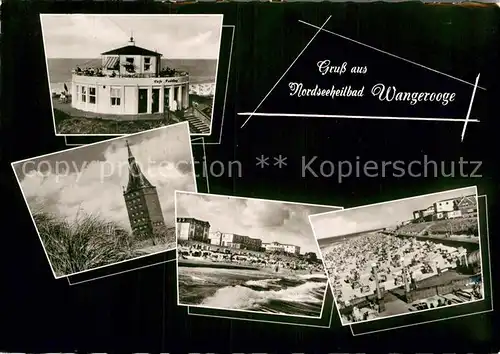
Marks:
<point>131,81</point>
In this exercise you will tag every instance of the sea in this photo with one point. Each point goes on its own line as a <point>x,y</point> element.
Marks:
<point>328,241</point>
<point>252,290</point>
<point>201,71</point>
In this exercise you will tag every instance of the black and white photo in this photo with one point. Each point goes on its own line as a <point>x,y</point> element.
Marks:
<point>120,74</point>
<point>108,202</point>
<point>403,256</point>
<point>247,254</point>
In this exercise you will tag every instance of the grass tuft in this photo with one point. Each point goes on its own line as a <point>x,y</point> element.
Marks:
<point>86,243</point>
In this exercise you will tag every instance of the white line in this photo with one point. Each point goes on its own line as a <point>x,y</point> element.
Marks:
<point>420,323</point>
<point>470,106</point>
<point>122,272</point>
<point>262,321</point>
<point>233,28</point>
<point>355,117</point>
<point>205,167</point>
<point>489,248</point>
<point>390,54</point>
<point>282,76</point>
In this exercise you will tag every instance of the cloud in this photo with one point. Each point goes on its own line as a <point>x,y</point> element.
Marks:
<point>267,220</point>
<point>176,37</point>
<point>96,188</point>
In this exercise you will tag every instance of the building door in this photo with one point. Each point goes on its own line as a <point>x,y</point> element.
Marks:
<point>155,104</point>
<point>143,101</point>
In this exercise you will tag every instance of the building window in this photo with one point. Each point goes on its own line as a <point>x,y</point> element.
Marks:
<point>115,96</point>
<point>129,65</point>
<point>84,94</point>
<point>77,91</point>
<point>147,64</point>
<point>92,95</point>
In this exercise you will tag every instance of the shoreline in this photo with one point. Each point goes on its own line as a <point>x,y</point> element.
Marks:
<point>225,265</point>
<point>208,264</point>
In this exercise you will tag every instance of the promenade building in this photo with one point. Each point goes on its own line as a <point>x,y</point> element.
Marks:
<point>461,207</point>
<point>235,241</point>
<point>280,247</point>
<point>193,230</point>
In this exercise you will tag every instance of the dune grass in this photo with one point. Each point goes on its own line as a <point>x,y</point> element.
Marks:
<point>86,243</point>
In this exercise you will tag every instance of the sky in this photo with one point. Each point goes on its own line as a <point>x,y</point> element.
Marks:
<point>91,178</point>
<point>374,216</point>
<point>267,220</point>
<point>176,37</point>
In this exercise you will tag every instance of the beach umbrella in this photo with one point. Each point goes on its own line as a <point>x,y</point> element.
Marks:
<point>65,88</point>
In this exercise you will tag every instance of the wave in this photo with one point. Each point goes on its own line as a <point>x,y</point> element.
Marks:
<point>262,283</point>
<point>309,294</point>
<point>314,277</point>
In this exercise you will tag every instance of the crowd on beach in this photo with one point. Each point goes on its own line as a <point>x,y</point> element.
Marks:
<point>260,260</point>
<point>350,264</point>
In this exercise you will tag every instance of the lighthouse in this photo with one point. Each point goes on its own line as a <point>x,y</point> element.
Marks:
<point>142,201</point>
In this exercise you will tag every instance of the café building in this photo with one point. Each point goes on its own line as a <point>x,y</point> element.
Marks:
<point>130,81</point>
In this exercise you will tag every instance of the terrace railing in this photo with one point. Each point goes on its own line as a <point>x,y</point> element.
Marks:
<point>98,72</point>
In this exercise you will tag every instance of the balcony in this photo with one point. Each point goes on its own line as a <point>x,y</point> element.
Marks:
<point>96,76</point>
<point>115,73</point>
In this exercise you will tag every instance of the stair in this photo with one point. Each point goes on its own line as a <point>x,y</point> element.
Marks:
<point>196,125</point>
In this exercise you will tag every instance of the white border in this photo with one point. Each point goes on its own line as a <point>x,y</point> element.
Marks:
<point>83,147</point>
<point>266,321</point>
<point>118,273</point>
<point>131,15</point>
<point>233,28</point>
<point>451,317</point>
<point>393,201</point>
<point>237,310</point>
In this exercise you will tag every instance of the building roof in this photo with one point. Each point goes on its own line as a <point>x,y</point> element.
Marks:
<point>469,200</point>
<point>193,220</point>
<point>274,243</point>
<point>132,50</point>
<point>136,179</point>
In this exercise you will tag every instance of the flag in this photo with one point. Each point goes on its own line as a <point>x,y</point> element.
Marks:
<point>65,88</point>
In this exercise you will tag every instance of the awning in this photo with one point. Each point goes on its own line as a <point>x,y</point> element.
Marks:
<point>111,62</point>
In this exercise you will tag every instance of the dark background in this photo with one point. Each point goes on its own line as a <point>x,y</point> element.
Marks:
<point>137,311</point>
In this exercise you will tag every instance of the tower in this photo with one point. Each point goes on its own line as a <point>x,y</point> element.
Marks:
<point>143,204</point>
